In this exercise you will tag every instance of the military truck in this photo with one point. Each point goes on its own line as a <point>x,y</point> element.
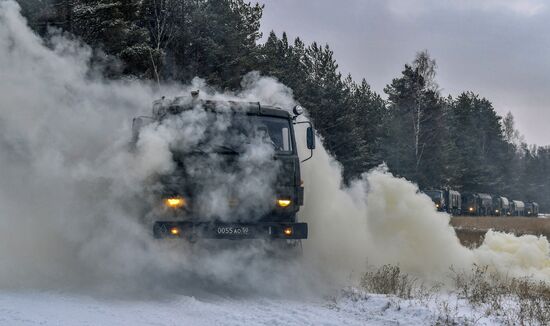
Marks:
<point>454,202</point>
<point>477,204</point>
<point>531,209</point>
<point>517,208</point>
<point>446,200</point>
<point>179,214</point>
<point>501,206</point>
<point>438,197</point>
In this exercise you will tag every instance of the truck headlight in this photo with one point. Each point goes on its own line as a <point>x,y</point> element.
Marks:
<point>284,202</point>
<point>175,202</point>
<point>471,209</point>
<point>288,231</point>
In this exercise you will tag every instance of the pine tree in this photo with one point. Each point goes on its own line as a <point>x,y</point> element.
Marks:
<point>215,40</point>
<point>478,137</point>
<point>415,127</point>
<point>113,27</point>
<point>458,142</point>
<point>369,111</point>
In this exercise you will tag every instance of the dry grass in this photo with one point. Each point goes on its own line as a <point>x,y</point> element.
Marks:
<point>516,225</point>
<point>517,301</point>
<point>511,301</point>
<point>470,238</point>
<point>389,279</point>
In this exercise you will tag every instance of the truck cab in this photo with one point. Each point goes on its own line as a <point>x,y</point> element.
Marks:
<point>438,197</point>
<point>501,206</point>
<point>240,180</point>
<point>532,209</point>
<point>517,208</point>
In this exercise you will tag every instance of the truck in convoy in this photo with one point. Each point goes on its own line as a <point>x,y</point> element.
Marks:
<point>470,203</point>
<point>179,214</point>
<point>446,200</point>
<point>532,209</point>
<point>454,200</point>
<point>501,206</point>
<point>438,197</point>
<point>517,208</point>
<point>477,204</point>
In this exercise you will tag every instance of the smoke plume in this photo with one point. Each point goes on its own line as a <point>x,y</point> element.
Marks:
<point>74,191</point>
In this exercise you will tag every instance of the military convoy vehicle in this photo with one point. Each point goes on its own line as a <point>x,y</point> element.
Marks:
<point>477,204</point>
<point>501,206</point>
<point>480,204</point>
<point>179,215</point>
<point>532,209</point>
<point>446,200</point>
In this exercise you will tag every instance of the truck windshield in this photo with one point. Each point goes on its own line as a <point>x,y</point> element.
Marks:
<point>278,132</point>
<point>434,194</point>
<point>245,129</point>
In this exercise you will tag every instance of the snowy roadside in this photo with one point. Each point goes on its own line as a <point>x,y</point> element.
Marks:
<point>350,307</point>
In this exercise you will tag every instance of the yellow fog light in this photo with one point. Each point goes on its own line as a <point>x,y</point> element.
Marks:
<point>287,231</point>
<point>175,231</point>
<point>284,202</point>
<point>175,202</point>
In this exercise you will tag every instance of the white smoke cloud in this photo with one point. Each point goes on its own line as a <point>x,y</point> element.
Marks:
<point>525,256</point>
<point>382,219</point>
<point>73,195</point>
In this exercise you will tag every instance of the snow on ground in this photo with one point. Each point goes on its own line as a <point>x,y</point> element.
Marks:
<point>350,307</point>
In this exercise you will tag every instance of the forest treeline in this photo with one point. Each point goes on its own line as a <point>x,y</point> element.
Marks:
<point>422,135</point>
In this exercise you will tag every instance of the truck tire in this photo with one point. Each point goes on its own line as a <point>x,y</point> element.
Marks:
<point>286,249</point>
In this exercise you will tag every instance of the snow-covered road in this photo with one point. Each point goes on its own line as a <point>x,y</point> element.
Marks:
<point>350,307</point>
<point>49,308</point>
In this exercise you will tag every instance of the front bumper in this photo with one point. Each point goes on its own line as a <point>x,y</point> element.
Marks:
<point>233,231</point>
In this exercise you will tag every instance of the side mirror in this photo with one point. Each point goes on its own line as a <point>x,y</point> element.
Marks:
<point>310,138</point>
<point>137,123</point>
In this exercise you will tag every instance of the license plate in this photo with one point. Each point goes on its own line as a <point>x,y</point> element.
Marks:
<point>233,230</point>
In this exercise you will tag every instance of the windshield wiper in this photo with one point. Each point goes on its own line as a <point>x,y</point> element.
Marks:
<point>198,151</point>
<point>227,149</point>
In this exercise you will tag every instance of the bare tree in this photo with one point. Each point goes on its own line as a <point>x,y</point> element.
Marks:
<point>162,24</point>
<point>425,67</point>
<point>511,134</point>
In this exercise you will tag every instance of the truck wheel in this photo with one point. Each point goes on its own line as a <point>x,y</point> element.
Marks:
<point>286,249</point>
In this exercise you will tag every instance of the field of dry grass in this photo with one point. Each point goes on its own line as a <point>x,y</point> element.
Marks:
<point>471,230</point>
<point>509,301</point>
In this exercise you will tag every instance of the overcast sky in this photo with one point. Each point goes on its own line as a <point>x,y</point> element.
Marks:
<point>497,48</point>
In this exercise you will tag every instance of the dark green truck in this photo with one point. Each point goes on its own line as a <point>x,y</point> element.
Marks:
<point>183,199</point>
